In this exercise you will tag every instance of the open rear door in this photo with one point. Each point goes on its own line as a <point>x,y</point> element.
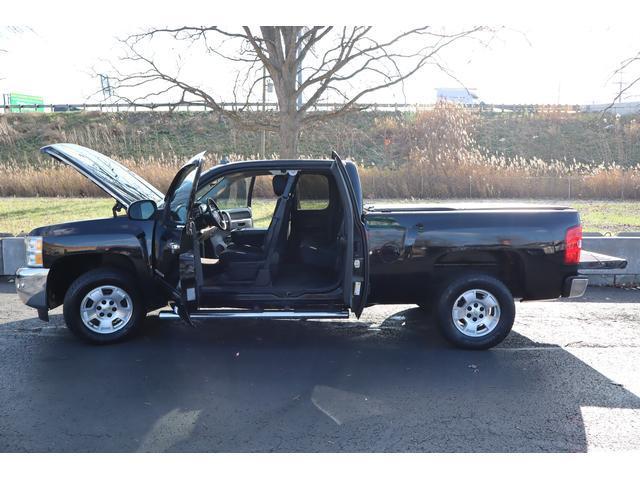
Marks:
<point>359,271</point>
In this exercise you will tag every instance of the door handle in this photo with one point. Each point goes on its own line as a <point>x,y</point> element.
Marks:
<point>173,247</point>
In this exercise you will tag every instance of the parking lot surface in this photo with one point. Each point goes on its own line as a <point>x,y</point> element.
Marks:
<point>566,379</point>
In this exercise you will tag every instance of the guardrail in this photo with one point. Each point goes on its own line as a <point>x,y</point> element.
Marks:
<point>196,106</point>
<point>12,254</point>
<point>520,109</point>
<point>626,108</point>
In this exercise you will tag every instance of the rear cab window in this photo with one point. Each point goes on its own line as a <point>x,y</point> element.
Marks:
<point>312,192</point>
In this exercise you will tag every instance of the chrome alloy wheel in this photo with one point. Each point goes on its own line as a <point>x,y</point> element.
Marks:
<point>476,313</point>
<point>106,309</point>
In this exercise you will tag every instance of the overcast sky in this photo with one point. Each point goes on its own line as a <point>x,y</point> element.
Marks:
<point>561,62</point>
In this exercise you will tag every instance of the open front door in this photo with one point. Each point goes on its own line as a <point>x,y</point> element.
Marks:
<point>177,261</point>
<point>358,274</point>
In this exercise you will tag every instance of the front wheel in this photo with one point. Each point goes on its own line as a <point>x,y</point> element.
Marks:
<point>475,312</point>
<point>103,306</point>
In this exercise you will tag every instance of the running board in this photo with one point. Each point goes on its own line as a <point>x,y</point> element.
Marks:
<point>267,314</point>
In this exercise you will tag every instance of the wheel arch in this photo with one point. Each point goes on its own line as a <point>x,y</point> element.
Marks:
<point>505,265</point>
<point>65,270</point>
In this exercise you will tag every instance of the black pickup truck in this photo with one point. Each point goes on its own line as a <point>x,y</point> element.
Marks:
<point>292,239</point>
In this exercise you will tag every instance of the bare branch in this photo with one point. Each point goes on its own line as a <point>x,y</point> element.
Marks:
<point>624,66</point>
<point>388,79</point>
<point>620,94</point>
<point>331,60</point>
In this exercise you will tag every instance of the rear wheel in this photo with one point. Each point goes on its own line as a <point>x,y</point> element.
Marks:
<point>103,306</point>
<point>475,312</point>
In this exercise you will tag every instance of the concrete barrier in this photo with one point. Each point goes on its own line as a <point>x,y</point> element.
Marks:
<point>12,254</point>
<point>623,247</point>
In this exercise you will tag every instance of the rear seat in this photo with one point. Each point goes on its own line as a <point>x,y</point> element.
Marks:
<point>319,254</point>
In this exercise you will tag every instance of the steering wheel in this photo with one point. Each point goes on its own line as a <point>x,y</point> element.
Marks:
<point>218,216</point>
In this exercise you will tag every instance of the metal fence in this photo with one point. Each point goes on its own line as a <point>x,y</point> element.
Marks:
<point>624,108</point>
<point>403,184</point>
<point>196,106</point>
<point>272,106</point>
<point>565,188</point>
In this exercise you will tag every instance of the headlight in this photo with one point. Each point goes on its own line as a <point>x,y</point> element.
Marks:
<point>34,251</point>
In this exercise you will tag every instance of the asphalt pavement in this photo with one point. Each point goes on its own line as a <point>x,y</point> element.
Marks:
<point>567,379</point>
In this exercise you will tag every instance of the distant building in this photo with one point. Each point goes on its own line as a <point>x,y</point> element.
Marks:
<point>459,95</point>
<point>622,108</point>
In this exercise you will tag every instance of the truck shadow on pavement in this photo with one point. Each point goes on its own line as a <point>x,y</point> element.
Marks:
<point>294,386</point>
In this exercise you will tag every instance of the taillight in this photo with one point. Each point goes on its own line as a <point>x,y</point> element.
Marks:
<point>573,245</point>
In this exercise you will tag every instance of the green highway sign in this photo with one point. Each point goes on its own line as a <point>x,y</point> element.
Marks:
<point>22,99</point>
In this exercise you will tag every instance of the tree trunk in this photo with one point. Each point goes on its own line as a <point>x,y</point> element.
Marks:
<point>285,87</point>
<point>289,135</point>
<point>283,67</point>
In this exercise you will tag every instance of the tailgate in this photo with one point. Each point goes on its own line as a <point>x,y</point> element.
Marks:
<point>600,261</point>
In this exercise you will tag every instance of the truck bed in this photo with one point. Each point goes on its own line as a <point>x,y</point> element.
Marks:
<point>462,206</point>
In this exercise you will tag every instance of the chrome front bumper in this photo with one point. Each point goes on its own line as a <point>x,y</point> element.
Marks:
<point>575,287</point>
<point>31,284</point>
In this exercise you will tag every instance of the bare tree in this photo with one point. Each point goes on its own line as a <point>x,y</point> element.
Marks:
<point>345,63</point>
<point>626,66</point>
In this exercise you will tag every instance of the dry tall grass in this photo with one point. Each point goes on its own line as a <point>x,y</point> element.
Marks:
<point>444,161</point>
<point>470,177</point>
<point>53,179</point>
<point>432,155</point>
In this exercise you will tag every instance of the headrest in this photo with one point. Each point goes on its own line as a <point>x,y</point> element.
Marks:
<point>279,183</point>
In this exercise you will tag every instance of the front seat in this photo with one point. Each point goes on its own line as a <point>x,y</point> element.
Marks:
<point>243,262</point>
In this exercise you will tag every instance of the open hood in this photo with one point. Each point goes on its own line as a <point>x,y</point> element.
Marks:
<point>112,177</point>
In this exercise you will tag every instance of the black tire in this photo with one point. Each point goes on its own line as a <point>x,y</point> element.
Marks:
<point>89,281</point>
<point>454,290</point>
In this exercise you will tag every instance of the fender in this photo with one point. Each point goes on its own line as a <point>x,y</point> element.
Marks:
<point>79,246</point>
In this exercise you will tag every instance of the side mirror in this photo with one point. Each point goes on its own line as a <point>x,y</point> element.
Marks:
<point>142,210</point>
